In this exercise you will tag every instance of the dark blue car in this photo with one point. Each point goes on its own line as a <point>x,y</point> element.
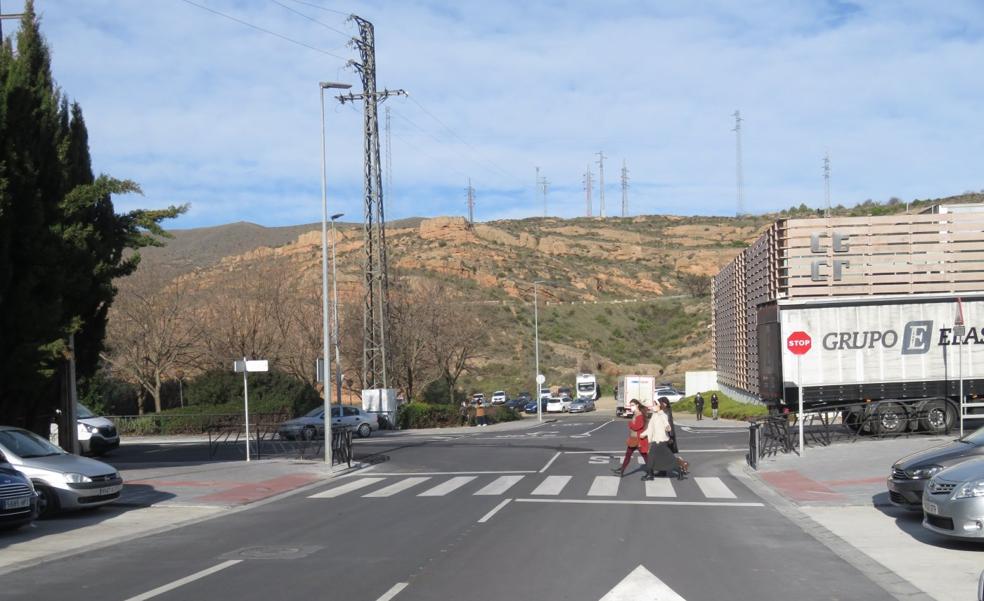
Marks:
<point>18,501</point>
<point>531,406</point>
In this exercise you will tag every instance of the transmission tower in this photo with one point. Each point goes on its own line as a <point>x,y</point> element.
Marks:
<point>625,190</point>
<point>544,185</point>
<point>826,181</point>
<point>389,157</point>
<point>376,300</point>
<point>601,183</point>
<point>587,190</point>
<point>741,183</point>
<point>471,202</point>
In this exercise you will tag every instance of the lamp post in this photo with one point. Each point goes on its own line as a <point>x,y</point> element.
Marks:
<point>536,338</point>
<point>326,379</point>
<point>334,311</point>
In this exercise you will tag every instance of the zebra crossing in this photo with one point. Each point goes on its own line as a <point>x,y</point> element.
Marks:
<point>533,485</point>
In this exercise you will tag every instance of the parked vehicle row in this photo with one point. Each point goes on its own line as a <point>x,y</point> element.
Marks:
<point>945,483</point>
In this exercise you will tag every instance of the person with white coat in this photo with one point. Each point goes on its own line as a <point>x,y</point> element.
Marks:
<point>660,458</point>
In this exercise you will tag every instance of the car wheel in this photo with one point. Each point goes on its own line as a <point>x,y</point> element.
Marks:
<point>365,431</point>
<point>309,433</point>
<point>47,501</point>
<point>939,417</point>
<point>890,418</point>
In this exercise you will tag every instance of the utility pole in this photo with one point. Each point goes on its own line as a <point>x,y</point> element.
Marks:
<point>587,190</point>
<point>625,190</point>
<point>471,202</point>
<point>826,181</point>
<point>10,16</point>
<point>544,183</point>
<point>601,183</point>
<point>389,156</point>
<point>741,193</point>
<point>376,300</point>
<point>536,187</point>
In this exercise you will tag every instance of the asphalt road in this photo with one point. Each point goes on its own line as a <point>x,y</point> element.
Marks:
<point>483,516</point>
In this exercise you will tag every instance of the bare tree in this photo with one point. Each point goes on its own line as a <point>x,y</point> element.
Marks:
<point>411,312</point>
<point>695,284</point>
<point>150,334</point>
<point>456,335</point>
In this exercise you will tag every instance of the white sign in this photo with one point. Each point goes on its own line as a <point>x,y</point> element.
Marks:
<point>540,378</point>
<point>251,366</point>
<point>642,585</point>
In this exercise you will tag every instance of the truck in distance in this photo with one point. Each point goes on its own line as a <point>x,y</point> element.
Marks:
<point>636,387</point>
<point>587,387</point>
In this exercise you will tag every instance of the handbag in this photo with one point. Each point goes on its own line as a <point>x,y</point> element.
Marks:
<point>632,441</point>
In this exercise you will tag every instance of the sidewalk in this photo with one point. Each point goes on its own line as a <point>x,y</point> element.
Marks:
<point>838,494</point>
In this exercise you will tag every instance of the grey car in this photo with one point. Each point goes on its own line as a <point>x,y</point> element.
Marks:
<point>953,502</point>
<point>582,405</point>
<point>62,480</point>
<point>312,424</point>
<point>911,473</point>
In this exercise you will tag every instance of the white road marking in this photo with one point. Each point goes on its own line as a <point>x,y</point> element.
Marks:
<point>552,459</point>
<point>618,502</point>
<point>640,460</point>
<point>642,585</point>
<point>588,433</point>
<point>488,516</point>
<point>400,486</point>
<point>452,473</point>
<point>684,451</point>
<point>499,485</point>
<point>344,488</point>
<point>552,485</point>
<point>714,488</point>
<point>183,581</point>
<point>660,487</point>
<point>445,487</point>
<point>394,591</point>
<point>604,486</point>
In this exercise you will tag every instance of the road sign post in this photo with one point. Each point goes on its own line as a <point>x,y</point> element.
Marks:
<point>799,343</point>
<point>246,366</point>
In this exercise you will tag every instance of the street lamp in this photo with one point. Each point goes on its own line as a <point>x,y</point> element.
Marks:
<point>536,335</point>
<point>334,304</point>
<point>326,376</point>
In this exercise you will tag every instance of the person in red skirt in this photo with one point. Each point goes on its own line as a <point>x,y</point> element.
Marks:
<point>635,442</point>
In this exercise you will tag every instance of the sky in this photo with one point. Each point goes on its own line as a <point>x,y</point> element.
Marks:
<point>208,109</point>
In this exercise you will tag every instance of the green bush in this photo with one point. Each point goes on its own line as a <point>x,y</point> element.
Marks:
<point>426,415</point>
<point>276,390</point>
<point>728,408</point>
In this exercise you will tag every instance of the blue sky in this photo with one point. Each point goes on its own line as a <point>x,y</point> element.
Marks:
<point>200,109</point>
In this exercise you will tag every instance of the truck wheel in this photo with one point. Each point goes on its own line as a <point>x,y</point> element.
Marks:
<point>890,418</point>
<point>939,417</point>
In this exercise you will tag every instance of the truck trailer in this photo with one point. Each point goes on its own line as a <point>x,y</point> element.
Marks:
<point>631,387</point>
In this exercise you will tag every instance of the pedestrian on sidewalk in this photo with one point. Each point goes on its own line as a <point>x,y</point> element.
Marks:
<point>463,412</point>
<point>634,442</point>
<point>714,405</point>
<point>699,406</point>
<point>660,458</point>
<point>480,419</point>
<point>682,464</point>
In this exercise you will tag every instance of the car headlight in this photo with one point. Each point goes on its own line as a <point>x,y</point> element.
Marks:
<point>77,478</point>
<point>969,489</point>
<point>921,473</point>
<point>89,429</point>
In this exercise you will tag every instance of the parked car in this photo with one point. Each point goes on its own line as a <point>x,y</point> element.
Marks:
<point>581,405</point>
<point>555,404</point>
<point>519,404</point>
<point>531,406</point>
<point>499,397</point>
<point>62,480</point>
<point>545,393</point>
<point>953,502</point>
<point>565,391</point>
<point>671,394</point>
<point>97,435</point>
<point>478,398</point>
<point>524,396</point>
<point>311,425</point>
<point>911,473</point>
<point>18,500</point>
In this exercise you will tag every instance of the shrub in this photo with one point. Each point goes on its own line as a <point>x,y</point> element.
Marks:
<point>275,390</point>
<point>728,408</point>
<point>426,415</point>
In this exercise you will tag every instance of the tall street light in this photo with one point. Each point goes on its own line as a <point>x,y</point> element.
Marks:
<point>334,311</point>
<point>326,376</point>
<point>536,335</point>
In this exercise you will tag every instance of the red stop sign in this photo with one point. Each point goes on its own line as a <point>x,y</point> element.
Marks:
<point>799,343</point>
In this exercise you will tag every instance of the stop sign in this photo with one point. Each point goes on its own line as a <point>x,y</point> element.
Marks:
<point>799,343</point>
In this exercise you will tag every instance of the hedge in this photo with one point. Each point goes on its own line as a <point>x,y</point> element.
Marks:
<point>728,408</point>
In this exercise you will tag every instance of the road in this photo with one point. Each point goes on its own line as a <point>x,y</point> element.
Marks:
<point>534,514</point>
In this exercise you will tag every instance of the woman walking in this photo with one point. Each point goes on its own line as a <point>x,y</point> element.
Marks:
<point>635,442</point>
<point>660,457</point>
<point>681,463</point>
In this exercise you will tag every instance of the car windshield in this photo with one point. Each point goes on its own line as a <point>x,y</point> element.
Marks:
<point>26,444</point>
<point>585,387</point>
<point>975,438</point>
<point>316,412</point>
<point>83,411</point>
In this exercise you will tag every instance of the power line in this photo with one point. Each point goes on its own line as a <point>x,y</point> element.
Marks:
<point>312,19</point>
<point>325,8</point>
<point>266,31</point>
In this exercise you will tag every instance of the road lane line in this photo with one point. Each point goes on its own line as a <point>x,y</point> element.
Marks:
<point>445,487</point>
<point>453,473</point>
<point>344,488</point>
<point>620,502</point>
<point>400,486</point>
<point>660,487</point>
<point>183,581</point>
<point>552,485</point>
<point>714,488</point>
<point>604,486</point>
<point>499,485</point>
<point>687,451</point>
<point>588,433</point>
<point>552,459</point>
<point>495,509</point>
<point>394,591</point>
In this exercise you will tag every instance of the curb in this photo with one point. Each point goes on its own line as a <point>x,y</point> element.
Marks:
<point>889,581</point>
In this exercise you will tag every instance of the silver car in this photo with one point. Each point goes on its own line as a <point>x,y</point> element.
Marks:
<point>311,425</point>
<point>953,502</point>
<point>62,480</point>
<point>582,405</point>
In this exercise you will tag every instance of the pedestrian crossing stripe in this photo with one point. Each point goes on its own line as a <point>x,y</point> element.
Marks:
<point>545,486</point>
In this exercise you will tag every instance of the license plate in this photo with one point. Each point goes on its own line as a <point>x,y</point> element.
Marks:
<point>108,490</point>
<point>17,503</point>
<point>931,507</point>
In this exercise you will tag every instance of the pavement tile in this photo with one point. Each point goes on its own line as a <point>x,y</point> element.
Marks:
<point>796,487</point>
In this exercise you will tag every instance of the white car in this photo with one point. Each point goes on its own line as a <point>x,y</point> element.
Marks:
<point>671,394</point>
<point>556,404</point>
<point>499,397</point>
<point>97,435</point>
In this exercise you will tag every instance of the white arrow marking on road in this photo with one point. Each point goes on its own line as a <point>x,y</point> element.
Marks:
<point>642,585</point>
